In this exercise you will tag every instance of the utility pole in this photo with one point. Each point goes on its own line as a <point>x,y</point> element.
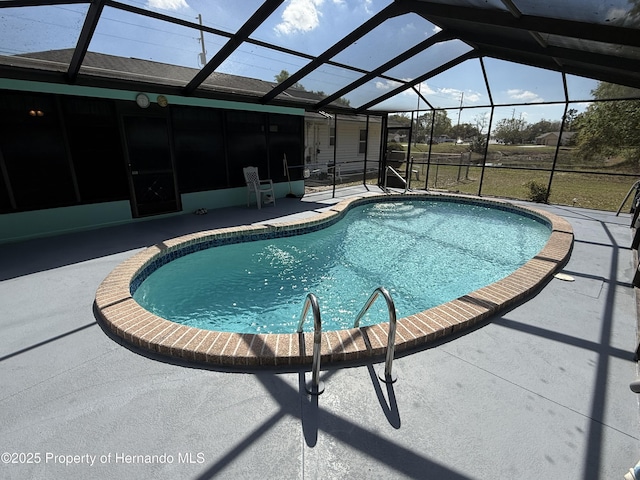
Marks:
<point>459,112</point>
<point>415,137</point>
<point>203,55</point>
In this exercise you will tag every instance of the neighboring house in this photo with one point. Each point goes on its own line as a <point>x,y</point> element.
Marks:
<point>550,139</point>
<point>445,139</point>
<point>350,141</point>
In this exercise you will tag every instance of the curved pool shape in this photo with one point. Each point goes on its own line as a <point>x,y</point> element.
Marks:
<point>424,252</point>
<point>127,319</point>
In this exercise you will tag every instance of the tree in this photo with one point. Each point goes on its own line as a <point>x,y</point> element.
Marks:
<point>442,124</point>
<point>610,128</point>
<point>479,141</point>
<point>399,120</point>
<point>536,129</point>
<point>481,121</point>
<point>518,131</point>
<point>511,130</point>
<point>283,75</point>
<point>569,119</point>
<point>464,131</point>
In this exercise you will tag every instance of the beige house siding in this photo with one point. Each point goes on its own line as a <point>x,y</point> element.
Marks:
<point>319,153</point>
<point>551,139</point>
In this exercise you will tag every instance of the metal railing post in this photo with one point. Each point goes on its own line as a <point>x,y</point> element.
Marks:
<point>387,375</point>
<point>636,187</point>
<point>395,173</point>
<point>315,387</point>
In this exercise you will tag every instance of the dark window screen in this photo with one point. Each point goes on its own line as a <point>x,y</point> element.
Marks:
<point>198,139</point>
<point>96,149</point>
<point>34,151</point>
<point>285,138</point>
<point>5,201</point>
<point>247,144</point>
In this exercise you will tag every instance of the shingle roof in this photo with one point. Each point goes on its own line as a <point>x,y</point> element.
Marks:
<point>136,69</point>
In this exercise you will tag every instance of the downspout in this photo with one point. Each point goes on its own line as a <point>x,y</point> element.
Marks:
<point>366,149</point>
<point>335,153</point>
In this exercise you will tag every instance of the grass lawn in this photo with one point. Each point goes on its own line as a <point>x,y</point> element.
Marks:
<point>507,150</point>
<point>588,190</point>
<point>600,192</point>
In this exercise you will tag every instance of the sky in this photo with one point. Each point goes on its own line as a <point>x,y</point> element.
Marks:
<point>310,27</point>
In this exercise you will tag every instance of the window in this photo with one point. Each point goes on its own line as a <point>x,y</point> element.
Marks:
<point>332,136</point>
<point>362,146</point>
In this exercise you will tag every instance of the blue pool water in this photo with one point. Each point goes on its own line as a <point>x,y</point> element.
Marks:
<point>424,252</point>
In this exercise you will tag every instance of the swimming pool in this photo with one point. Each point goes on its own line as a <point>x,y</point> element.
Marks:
<point>425,252</point>
<point>120,312</point>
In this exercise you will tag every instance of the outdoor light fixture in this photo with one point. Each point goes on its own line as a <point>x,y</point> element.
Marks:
<point>162,101</point>
<point>142,100</point>
<point>36,113</point>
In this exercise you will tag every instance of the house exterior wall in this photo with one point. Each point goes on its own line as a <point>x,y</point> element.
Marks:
<point>15,227</point>
<point>75,158</point>
<point>551,139</point>
<point>319,152</point>
<point>548,139</point>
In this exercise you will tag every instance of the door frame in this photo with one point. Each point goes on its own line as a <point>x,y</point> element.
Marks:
<point>126,111</point>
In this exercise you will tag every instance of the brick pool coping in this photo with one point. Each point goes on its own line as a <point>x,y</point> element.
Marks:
<point>128,320</point>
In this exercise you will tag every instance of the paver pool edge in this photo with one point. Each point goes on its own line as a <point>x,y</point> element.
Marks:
<point>126,319</point>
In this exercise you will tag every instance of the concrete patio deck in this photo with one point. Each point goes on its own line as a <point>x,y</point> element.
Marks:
<point>539,392</point>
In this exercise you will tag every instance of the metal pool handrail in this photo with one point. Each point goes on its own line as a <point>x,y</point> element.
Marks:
<point>636,187</point>
<point>316,387</point>
<point>391,338</point>
<point>395,172</point>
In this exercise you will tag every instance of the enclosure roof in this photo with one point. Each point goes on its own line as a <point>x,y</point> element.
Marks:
<point>342,56</point>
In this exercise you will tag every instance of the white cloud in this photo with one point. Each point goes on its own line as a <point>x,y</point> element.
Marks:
<point>524,95</point>
<point>366,4</point>
<point>408,28</point>
<point>387,85</point>
<point>167,4</point>
<point>468,96</point>
<point>472,97</point>
<point>425,89</point>
<point>451,92</point>
<point>436,29</point>
<point>300,16</point>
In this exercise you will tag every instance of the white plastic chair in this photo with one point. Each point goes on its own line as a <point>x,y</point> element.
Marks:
<point>258,187</point>
<point>334,171</point>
